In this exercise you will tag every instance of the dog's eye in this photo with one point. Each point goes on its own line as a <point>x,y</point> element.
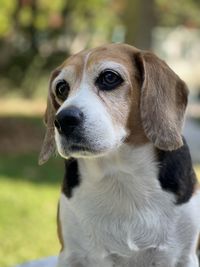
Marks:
<point>62,89</point>
<point>108,80</point>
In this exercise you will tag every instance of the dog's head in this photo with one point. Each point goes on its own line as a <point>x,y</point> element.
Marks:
<point>101,98</point>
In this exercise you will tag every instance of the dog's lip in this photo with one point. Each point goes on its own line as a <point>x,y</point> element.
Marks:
<point>73,147</point>
<point>79,147</point>
<point>84,149</point>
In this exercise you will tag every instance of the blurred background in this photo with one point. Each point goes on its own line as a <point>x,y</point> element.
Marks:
<point>35,37</point>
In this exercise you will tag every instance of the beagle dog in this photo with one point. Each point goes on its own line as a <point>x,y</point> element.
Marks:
<point>129,196</point>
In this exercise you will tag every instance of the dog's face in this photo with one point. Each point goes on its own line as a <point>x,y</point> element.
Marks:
<point>100,98</point>
<point>93,90</point>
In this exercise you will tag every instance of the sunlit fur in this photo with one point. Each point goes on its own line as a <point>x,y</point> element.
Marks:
<point>119,216</point>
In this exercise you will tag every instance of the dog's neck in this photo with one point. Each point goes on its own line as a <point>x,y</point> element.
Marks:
<point>127,177</point>
<point>127,163</point>
<point>125,159</point>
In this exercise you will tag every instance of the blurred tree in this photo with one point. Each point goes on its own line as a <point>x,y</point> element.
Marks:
<point>141,16</point>
<point>171,13</point>
<point>35,35</point>
<point>139,20</point>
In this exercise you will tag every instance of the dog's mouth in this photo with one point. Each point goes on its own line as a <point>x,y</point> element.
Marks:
<point>80,148</point>
<point>77,151</point>
<point>80,145</point>
<point>75,148</point>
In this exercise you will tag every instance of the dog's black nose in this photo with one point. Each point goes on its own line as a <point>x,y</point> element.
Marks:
<point>68,119</point>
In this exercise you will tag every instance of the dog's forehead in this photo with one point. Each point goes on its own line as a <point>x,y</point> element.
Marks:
<point>114,52</point>
<point>119,53</point>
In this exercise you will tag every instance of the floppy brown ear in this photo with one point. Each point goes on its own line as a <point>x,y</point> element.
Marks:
<point>163,102</point>
<point>48,146</point>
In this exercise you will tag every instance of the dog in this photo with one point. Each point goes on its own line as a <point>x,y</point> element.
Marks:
<point>130,195</point>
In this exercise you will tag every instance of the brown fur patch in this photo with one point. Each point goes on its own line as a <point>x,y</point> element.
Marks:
<point>123,103</point>
<point>163,102</point>
<point>137,136</point>
<point>48,146</point>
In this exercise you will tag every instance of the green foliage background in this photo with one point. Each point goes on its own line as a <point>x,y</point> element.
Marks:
<point>35,37</point>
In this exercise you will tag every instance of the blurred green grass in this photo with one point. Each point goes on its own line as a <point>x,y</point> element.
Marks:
<point>28,203</point>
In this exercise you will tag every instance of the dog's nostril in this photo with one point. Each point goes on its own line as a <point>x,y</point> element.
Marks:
<point>73,117</point>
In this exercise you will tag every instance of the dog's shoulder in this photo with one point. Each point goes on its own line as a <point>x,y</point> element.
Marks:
<point>176,173</point>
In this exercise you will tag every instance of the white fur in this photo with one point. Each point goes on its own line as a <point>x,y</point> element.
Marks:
<point>119,216</point>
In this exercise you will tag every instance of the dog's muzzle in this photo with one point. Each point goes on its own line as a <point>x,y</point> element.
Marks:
<point>69,123</point>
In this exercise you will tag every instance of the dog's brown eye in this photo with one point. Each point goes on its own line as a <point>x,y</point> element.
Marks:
<point>62,89</point>
<point>108,80</point>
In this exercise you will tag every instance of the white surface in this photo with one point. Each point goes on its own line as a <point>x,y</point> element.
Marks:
<point>46,262</point>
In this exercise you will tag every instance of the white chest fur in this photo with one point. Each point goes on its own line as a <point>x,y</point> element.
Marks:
<point>119,206</point>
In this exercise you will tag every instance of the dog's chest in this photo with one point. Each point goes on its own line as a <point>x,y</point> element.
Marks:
<point>122,214</point>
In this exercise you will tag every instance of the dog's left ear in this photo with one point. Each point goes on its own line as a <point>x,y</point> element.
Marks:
<point>163,102</point>
<point>49,146</point>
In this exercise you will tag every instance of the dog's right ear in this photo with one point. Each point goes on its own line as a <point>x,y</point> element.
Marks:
<point>49,146</point>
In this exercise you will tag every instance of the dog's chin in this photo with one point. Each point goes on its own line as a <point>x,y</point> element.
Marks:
<point>81,150</point>
<point>82,147</point>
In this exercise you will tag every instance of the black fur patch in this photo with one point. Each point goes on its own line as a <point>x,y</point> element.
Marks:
<point>71,177</point>
<point>176,173</point>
